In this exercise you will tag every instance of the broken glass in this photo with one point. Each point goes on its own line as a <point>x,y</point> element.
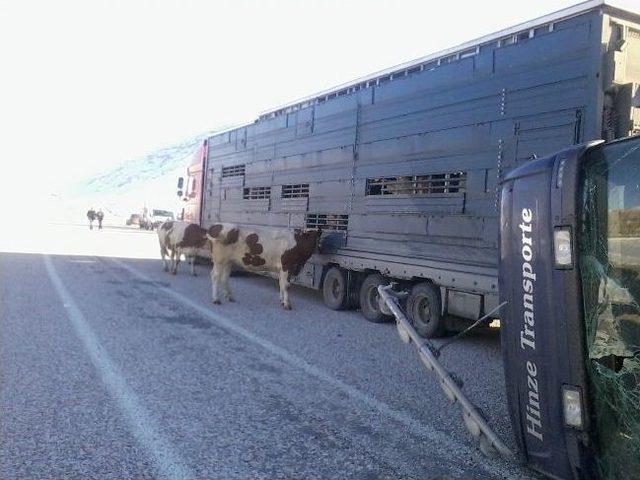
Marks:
<point>609,248</point>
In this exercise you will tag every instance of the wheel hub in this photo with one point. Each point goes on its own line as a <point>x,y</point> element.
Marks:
<point>424,311</point>
<point>335,288</point>
<point>373,299</point>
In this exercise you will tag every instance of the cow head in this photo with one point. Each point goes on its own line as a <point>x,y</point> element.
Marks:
<point>214,231</point>
<point>306,244</point>
<point>308,240</point>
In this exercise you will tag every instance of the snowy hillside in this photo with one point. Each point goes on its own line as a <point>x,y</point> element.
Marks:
<point>149,167</point>
<point>145,181</point>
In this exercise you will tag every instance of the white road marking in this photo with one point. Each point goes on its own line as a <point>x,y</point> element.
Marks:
<point>441,442</point>
<point>165,459</point>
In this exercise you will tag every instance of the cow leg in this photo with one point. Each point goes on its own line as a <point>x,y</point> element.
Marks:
<point>163,254</point>
<point>284,290</point>
<point>215,279</point>
<point>176,261</point>
<point>172,258</point>
<point>193,265</point>
<point>226,273</point>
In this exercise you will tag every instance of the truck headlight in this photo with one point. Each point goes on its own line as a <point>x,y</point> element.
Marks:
<point>562,247</point>
<point>572,403</point>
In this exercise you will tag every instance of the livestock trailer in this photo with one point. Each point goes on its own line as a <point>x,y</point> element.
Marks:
<point>401,168</point>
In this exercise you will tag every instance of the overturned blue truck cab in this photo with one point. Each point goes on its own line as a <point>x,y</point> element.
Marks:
<point>570,272</point>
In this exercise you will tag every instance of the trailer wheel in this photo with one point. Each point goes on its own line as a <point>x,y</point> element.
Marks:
<point>369,299</point>
<point>424,310</point>
<point>335,289</point>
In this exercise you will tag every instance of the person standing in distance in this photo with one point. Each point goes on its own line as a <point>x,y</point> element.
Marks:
<point>91,215</point>
<point>100,216</point>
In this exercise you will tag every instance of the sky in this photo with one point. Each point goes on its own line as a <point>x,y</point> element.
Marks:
<point>87,84</point>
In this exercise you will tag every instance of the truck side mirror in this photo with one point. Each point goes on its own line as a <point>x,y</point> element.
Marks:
<point>180,183</point>
<point>180,193</point>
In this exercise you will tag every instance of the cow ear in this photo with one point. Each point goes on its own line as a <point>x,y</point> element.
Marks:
<point>214,231</point>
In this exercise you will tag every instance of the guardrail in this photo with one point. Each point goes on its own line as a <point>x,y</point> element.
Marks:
<point>488,441</point>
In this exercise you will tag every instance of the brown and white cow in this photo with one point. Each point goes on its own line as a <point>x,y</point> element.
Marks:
<point>182,238</point>
<point>276,251</point>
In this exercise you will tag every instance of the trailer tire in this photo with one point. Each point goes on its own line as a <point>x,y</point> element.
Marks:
<point>335,289</point>
<point>425,311</point>
<point>369,305</point>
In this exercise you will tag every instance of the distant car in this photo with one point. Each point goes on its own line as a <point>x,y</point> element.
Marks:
<point>155,219</point>
<point>134,219</point>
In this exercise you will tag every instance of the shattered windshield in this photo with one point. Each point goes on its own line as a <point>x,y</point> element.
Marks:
<point>609,249</point>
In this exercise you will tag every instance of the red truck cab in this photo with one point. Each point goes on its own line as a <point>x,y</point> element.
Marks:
<point>191,192</point>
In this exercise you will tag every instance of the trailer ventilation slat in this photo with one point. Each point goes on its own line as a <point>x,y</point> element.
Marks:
<point>327,221</point>
<point>300,190</point>
<point>453,183</point>
<point>233,171</point>
<point>256,193</point>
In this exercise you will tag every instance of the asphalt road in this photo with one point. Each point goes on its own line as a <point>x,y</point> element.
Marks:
<point>111,368</point>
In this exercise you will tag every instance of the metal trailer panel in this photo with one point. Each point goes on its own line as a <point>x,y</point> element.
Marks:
<point>471,119</point>
<point>530,28</point>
